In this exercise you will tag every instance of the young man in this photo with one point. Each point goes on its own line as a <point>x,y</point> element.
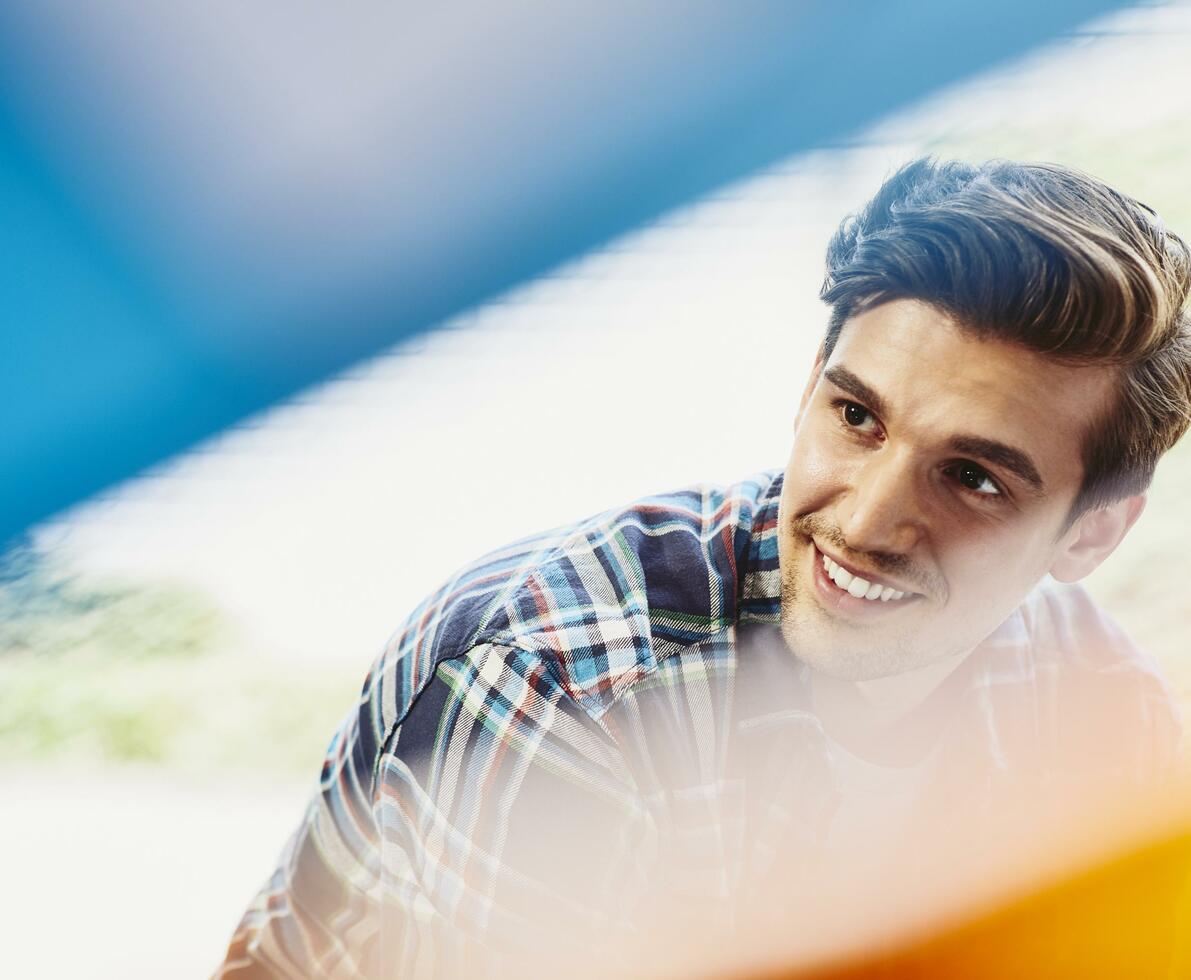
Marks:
<point>723,705</point>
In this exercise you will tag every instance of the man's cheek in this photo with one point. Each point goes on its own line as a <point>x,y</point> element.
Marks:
<point>992,560</point>
<point>817,475</point>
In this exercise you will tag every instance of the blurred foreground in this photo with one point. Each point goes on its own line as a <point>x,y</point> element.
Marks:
<point>159,742</point>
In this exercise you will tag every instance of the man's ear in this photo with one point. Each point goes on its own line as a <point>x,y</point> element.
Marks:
<point>810,387</point>
<point>1094,536</point>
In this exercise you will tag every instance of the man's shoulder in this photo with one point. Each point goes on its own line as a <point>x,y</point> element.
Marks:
<point>1067,667</point>
<point>1059,625</point>
<point>598,603</point>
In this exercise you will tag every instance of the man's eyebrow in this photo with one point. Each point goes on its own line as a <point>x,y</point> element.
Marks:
<point>845,380</point>
<point>1001,455</point>
<point>989,450</point>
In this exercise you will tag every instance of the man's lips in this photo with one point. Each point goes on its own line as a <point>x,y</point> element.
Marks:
<point>841,600</point>
<point>857,572</point>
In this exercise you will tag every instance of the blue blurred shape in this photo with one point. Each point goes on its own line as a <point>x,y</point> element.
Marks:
<point>207,205</point>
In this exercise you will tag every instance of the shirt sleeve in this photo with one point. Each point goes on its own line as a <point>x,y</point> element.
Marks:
<point>1062,711</point>
<point>316,914</point>
<point>436,844</point>
<point>1115,718</point>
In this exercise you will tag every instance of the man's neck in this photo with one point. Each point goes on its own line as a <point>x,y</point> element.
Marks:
<point>871,712</point>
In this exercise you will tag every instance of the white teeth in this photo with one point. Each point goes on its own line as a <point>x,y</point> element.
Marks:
<point>860,588</point>
<point>840,576</point>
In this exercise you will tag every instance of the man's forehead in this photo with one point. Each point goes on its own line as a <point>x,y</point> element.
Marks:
<point>911,344</point>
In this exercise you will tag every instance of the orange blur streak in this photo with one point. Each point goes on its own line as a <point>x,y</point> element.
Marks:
<point>1127,917</point>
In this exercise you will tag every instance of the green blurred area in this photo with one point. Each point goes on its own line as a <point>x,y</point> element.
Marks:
<point>95,671</point>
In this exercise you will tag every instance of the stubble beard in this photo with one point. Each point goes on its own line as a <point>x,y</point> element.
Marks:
<point>841,650</point>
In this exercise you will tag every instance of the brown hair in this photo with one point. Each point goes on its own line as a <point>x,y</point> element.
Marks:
<point>1046,257</point>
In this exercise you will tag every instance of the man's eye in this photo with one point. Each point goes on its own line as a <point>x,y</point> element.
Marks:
<point>858,417</point>
<point>974,478</point>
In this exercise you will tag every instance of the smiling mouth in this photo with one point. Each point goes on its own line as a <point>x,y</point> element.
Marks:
<point>851,588</point>
<point>857,587</point>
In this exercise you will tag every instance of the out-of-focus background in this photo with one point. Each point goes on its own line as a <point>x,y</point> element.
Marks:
<point>175,653</point>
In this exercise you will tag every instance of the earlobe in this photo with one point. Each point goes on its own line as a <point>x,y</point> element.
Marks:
<point>1095,536</point>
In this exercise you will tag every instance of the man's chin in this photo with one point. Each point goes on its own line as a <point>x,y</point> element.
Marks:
<point>843,659</point>
<point>848,667</point>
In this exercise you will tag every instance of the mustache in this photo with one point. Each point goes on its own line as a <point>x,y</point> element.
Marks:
<point>901,566</point>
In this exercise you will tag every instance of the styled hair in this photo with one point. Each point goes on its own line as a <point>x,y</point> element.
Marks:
<point>1046,257</point>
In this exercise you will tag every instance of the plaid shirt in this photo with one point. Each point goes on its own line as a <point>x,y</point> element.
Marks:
<point>573,719</point>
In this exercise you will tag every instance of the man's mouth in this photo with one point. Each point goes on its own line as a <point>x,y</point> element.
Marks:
<point>858,587</point>
<point>853,589</point>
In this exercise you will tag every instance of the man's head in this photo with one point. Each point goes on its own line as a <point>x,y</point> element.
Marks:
<point>1005,361</point>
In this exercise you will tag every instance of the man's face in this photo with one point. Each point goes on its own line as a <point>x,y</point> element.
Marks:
<point>930,463</point>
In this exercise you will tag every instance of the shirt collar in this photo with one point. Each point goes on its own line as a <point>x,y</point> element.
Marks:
<point>760,578</point>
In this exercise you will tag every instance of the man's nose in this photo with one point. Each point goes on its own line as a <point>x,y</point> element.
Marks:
<point>882,510</point>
